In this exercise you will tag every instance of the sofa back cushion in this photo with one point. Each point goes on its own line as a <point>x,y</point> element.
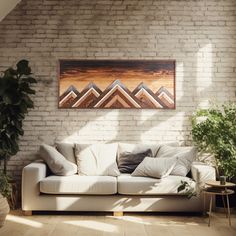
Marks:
<point>97,159</point>
<point>185,155</point>
<point>67,150</point>
<point>56,162</point>
<point>128,162</point>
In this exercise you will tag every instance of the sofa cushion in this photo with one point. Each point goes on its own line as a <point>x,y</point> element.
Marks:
<point>75,184</point>
<point>132,185</point>
<point>56,162</point>
<point>97,159</point>
<point>128,162</point>
<point>185,155</point>
<point>67,150</point>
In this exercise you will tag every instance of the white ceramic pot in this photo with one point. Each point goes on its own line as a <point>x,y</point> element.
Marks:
<point>4,209</point>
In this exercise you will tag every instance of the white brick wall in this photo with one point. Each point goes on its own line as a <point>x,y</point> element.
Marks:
<point>200,35</point>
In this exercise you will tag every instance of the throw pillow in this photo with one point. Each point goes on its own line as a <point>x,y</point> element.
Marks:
<point>129,161</point>
<point>155,167</point>
<point>67,150</point>
<point>97,159</point>
<point>185,155</point>
<point>56,162</point>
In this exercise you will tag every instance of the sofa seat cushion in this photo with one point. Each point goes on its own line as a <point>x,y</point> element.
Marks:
<point>75,184</point>
<point>133,185</point>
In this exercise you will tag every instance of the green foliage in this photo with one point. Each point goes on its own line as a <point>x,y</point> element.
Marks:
<point>5,186</point>
<point>15,91</point>
<point>214,131</point>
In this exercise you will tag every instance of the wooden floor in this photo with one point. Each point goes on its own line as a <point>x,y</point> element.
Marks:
<point>105,224</point>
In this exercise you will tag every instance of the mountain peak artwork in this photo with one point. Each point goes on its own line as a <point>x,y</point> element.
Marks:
<point>117,84</point>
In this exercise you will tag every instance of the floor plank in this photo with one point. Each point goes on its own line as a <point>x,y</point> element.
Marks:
<point>92,224</point>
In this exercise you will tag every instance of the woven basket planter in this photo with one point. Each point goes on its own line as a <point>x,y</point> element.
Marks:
<point>4,209</point>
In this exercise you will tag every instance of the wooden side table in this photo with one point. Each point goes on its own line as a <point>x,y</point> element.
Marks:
<point>215,188</point>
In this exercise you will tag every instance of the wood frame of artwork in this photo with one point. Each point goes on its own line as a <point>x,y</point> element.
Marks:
<point>116,84</point>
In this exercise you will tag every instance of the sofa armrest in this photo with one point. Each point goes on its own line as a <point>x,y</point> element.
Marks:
<point>202,172</point>
<point>31,176</point>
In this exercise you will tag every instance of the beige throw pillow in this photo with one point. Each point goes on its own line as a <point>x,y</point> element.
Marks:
<point>97,159</point>
<point>155,167</point>
<point>185,155</point>
<point>56,162</point>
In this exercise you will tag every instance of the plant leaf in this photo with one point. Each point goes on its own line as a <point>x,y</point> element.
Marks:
<point>23,67</point>
<point>30,80</point>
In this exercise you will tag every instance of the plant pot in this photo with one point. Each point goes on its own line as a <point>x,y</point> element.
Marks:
<point>4,209</point>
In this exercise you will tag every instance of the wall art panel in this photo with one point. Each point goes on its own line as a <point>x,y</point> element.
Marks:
<point>117,84</point>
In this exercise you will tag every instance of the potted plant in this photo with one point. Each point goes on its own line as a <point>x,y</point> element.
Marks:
<point>5,192</point>
<point>15,91</point>
<point>214,131</point>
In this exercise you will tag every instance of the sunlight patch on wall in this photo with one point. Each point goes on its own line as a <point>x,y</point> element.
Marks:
<point>179,84</point>
<point>204,75</point>
<point>101,126</point>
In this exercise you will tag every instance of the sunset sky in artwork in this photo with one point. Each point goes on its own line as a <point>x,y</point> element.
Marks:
<point>153,74</point>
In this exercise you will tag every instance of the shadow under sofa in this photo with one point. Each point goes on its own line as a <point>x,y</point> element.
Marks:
<point>125,193</point>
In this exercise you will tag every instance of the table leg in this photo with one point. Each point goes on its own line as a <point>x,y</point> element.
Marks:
<point>204,203</point>
<point>223,199</point>
<point>227,198</point>
<point>210,211</point>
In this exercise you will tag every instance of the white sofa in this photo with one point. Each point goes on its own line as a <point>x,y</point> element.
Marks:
<point>125,193</point>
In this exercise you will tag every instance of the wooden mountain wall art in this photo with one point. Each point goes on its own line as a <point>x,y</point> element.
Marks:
<point>117,84</point>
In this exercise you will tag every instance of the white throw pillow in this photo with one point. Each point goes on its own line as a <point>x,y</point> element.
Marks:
<point>97,159</point>
<point>185,155</point>
<point>155,167</point>
<point>56,162</point>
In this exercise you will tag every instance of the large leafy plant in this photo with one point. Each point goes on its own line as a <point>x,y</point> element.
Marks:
<point>15,92</point>
<point>214,131</point>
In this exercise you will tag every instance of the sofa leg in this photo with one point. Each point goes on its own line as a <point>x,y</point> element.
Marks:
<point>118,213</point>
<point>27,213</point>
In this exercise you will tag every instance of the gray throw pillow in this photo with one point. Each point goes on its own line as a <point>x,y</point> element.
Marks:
<point>185,155</point>
<point>67,150</point>
<point>128,162</point>
<point>56,162</point>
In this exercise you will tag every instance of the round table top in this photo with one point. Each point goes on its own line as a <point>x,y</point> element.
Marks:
<point>214,183</point>
<point>218,191</point>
